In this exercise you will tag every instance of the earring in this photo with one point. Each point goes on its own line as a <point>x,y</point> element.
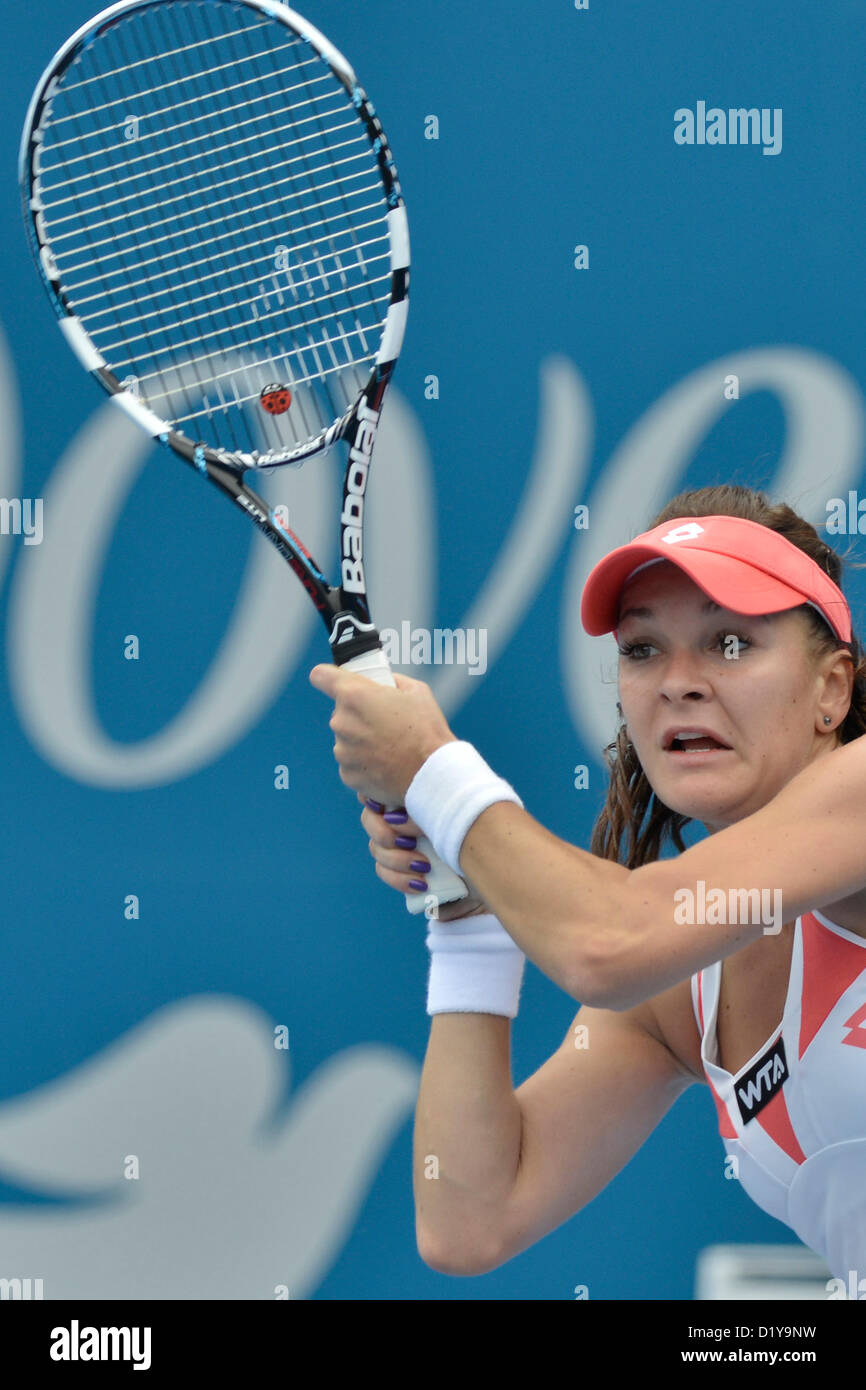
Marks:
<point>827,719</point>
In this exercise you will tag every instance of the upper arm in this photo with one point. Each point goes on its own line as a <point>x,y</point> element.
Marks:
<point>585,1112</point>
<point>804,849</point>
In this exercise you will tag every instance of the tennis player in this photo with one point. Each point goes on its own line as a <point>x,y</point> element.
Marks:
<point>739,962</point>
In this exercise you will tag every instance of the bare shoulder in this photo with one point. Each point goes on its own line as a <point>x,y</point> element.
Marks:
<point>670,1019</point>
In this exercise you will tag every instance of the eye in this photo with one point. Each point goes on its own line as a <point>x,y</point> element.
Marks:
<point>635,651</point>
<point>628,649</point>
<point>739,637</point>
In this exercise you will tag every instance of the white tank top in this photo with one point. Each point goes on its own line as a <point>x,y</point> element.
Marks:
<point>794,1115</point>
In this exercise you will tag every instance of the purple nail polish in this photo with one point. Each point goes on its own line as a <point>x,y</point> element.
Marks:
<point>396,817</point>
<point>374,806</point>
<point>418,884</point>
<point>405,841</point>
<point>420,866</point>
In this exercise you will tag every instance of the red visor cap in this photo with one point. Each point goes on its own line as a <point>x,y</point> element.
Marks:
<point>740,564</point>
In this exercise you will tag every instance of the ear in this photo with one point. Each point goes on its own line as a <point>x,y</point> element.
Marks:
<point>838,691</point>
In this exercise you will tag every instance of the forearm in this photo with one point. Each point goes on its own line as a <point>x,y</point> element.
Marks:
<point>561,905</point>
<point>609,936</point>
<point>467,1139</point>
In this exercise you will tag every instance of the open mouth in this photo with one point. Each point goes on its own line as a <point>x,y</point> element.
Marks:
<point>695,743</point>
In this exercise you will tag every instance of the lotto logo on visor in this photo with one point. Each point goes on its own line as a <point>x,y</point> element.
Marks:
<point>741,565</point>
<point>689,532</point>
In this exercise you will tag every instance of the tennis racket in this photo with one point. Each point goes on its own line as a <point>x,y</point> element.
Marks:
<point>216,215</point>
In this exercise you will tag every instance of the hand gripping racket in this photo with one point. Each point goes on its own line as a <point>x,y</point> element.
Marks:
<point>215,213</point>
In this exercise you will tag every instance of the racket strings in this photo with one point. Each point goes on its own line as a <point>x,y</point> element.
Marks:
<point>170,53</point>
<point>342,380</point>
<point>201,242</point>
<point>81,300</point>
<point>230,377</point>
<point>303,414</point>
<point>186,382</point>
<point>334,377</point>
<point>78,119</point>
<point>170,202</point>
<point>261,431</point>
<point>197,299</point>
<point>201,311</point>
<point>177,164</point>
<point>378,304</point>
<point>181,82</point>
<point>190,319</point>
<point>185,125</point>
<point>379,307</point>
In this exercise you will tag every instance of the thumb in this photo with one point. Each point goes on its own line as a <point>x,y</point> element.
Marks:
<point>325,677</point>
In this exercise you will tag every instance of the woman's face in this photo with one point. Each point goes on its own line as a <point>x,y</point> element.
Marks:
<point>759,695</point>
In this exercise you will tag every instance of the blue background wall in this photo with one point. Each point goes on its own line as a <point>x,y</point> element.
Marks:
<point>556,129</point>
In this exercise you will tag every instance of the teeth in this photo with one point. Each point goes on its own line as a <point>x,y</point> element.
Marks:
<point>689,736</point>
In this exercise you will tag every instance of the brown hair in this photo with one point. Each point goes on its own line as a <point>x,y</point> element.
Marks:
<point>634,825</point>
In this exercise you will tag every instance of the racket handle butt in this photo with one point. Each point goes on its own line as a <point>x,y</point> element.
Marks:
<point>443,885</point>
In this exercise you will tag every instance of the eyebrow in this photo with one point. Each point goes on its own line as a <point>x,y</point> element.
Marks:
<point>709,607</point>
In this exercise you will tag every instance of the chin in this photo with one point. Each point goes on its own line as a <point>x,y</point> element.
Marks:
<point>705,808</point>
<point>712,816</point>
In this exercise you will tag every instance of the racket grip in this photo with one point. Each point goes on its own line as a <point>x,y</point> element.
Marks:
<point>443,885</point>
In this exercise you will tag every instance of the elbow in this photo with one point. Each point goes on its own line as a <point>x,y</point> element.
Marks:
<point>605,969</point>
<point>590,984</point>
<point>589,977</point>
<point>456,1261</point>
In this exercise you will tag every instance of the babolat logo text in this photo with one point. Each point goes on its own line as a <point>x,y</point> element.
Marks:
<point>76,1343</point>
<point>760,1083</point>
<point>352,515</point>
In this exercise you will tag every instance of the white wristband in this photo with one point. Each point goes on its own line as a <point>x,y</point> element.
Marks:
<point>448,793</point>
<point>475,967</point>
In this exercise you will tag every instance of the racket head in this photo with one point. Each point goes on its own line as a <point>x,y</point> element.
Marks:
<point>216,215</point>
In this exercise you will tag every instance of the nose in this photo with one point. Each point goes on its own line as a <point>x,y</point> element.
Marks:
<point>682,677</point>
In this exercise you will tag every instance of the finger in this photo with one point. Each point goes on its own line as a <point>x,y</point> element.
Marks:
<point>403,883</point>
<point>401,822</point>
<point>325,678</point>
<point>399,819</point>
<point>354,690</point>
<point>387,834</point>
<point>411,862</point>
<point>377,829</point>
<point>375,826</point>
<point>396,837</point>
